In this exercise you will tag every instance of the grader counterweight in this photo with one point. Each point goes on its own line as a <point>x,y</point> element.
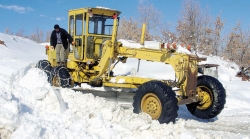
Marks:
<point>97,51</point>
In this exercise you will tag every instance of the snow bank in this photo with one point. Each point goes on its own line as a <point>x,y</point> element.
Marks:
<point>30,109</point>
<point>226,70</point>
<point>152,45</point>
<point>18,52</point>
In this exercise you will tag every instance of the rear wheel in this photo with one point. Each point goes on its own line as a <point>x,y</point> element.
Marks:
<point>60,77</point>
<point>46,67</point>
<point>158,100</point>
<point>212,96</point>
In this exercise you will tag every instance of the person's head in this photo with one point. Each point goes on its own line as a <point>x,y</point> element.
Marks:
<point>56,27</point>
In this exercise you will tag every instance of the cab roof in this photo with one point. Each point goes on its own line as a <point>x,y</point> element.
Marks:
<point>98,10</point>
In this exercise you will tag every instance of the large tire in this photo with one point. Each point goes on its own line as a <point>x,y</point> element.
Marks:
<point>60,77</point>
<point>216,100</point>
<point>158,100</point>
<point>46,67</point>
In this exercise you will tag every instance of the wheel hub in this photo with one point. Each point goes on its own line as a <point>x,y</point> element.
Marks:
<point>205,97</point>
<point>151,105</point>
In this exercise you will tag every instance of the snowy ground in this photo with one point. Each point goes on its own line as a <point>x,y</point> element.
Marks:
<point>31,108</point>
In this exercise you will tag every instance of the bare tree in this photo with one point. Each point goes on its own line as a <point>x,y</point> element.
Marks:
<point>238,46</point>
<point>246,49</point>
<point>37,35</point>
<point>189,25</point>
<point>217,42</point>
<point>166,35</point>
<point>20,33</point>
<point>8,31</point>
<point>48,34</point>
<point>243,57</point>
<point>205,38</point>
<point>129,30</point>
<point>149,15</point>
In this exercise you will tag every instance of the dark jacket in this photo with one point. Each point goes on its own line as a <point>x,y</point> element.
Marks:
<point>64,36</point>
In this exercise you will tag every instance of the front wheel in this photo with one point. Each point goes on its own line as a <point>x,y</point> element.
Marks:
<point>212,96</point>
<point>60,77</point>
<point>158,100</point>
<point>46,67</point>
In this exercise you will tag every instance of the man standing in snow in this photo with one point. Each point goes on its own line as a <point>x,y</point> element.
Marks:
<point>59,40</point>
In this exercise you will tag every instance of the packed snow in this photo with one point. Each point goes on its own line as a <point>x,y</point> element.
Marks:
<point>154,45</point>
<point>32,109</point>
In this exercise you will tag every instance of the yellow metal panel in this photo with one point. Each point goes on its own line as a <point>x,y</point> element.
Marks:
<point>79,77</point>
<point>126,81</point>
<point>100,11</point>
<point>72,65</point>
<point>120,85</point>
<point>52,56</point>
<point>143,34</point>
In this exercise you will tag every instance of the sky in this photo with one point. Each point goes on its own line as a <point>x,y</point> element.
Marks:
<point>29,15</point>
<point>31,108</point>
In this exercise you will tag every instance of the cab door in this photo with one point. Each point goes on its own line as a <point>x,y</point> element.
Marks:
<point>77,31</point>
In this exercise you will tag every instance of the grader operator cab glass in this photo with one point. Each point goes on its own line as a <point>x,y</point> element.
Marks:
<point>90,29</point>
<point>100,25</point>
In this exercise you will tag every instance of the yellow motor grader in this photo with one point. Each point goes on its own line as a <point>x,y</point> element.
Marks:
<point>96,52</point>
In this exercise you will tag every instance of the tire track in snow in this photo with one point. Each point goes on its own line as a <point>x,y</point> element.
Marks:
<point>237,125</point>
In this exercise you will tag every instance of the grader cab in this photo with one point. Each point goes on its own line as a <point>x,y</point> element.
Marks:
<point>97,51</point>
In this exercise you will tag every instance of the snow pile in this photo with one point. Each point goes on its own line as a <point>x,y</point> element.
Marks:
<point>152,45</point>
<point>18,47</point>
<point>147,44</point>
<point>18,52</point>
<point>226,70</point>
<point>31,108</point>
